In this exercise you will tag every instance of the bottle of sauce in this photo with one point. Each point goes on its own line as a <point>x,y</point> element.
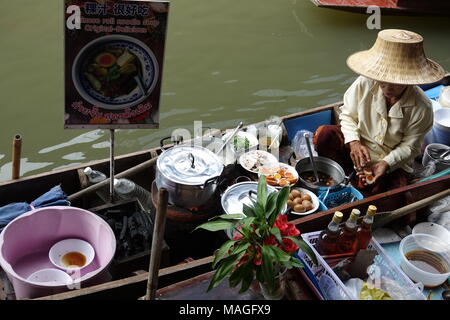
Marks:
<point>327,242</point>
<point>347,239</point>
<point>364,233</point>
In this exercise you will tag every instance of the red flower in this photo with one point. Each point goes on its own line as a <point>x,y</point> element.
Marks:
<point>281,223</point>
<point>289,246</point>
<point>270,241</point>
<point>291,231</point>
<point>237,235</point>
<point>257,258</point>
<point>243,260</point>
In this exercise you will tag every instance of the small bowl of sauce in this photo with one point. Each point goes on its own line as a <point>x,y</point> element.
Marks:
<point>71,254</point>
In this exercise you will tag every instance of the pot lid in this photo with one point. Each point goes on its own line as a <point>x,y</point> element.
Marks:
<point>191,165</point>
<point>239,194</point>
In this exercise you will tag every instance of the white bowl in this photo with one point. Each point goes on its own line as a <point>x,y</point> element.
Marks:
<point>433,229</point>
<point>50,276</point>
<point>61,248</point>
<point>253,141</point>
<point>431,245</point>
<point>247,159</point>
<point>314,200</point>
<point>145,56</point>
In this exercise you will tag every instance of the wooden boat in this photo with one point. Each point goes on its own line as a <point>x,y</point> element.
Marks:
<point>130,275</point>
<point>389,7</point>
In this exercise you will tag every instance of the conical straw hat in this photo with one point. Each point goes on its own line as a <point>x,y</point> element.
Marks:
<point>396,57</point>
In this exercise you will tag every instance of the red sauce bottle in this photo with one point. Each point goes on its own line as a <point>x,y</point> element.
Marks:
<point>364,233</point>
<point>327,242</point>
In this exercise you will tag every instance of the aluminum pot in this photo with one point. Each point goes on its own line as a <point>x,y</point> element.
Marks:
<point>190,175</point>
<point>324,165</point>
<point>234,198</point>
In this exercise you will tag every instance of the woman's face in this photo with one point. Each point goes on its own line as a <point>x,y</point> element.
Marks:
<point>392,91</point>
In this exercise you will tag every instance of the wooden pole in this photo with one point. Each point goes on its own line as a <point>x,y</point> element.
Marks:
<point>142,166</point>
<point>17,150</point>
<point>157,242</point>
<point>386,217</point>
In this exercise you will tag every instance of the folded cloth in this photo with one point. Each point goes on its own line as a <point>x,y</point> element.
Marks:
<point>54,197</point>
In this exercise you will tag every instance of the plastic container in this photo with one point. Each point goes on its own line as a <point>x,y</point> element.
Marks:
<point>334,289</point>
<point>441,127</point>
<point>127,189</point>
<point>440,164</point>
<point>428,248</point>
<point>433,229</point>
<point>444,97</point>
<point>345,195</point>
<point>94,177</point>
<point>25,243</point>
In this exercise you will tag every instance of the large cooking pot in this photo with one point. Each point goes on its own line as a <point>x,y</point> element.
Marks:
<point>234,198</point>
<point>324,165</point>
<point>190,174</point>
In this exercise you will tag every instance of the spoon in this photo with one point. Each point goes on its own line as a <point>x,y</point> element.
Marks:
<point>311,157</point>
<point>230,137</point>
<point>140,84</point>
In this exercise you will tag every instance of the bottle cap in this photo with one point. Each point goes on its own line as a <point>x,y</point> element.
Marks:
<point>88,170</point>
<point>355,214</point>
<point>372,210</point>
<point>338,217</point>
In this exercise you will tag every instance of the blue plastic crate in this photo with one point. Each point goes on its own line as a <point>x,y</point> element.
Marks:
<point>335,199</point>
<point>310,122</point>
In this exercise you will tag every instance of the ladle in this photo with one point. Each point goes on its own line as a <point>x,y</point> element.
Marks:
<point>311,157</point>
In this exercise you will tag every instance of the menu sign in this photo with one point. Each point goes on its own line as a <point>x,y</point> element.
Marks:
<point>114,52</point>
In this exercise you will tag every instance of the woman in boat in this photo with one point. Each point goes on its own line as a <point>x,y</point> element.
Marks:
<point>385,115</point>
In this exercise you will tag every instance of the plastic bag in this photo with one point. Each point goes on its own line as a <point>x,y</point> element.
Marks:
<point>299,144</point>
<point>440,212</point>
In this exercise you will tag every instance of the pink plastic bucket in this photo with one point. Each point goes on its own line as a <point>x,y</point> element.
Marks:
<point>26,241</point>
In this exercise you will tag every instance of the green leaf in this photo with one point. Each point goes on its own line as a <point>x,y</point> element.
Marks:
<point>271,204</point>
<point>240,247</point>
<point>259,274</point>
<point>282,198</point>
<point>232,216</point>
<point>247,277</point>
<point>236,276</point>
<point>225,268</point>
<point>216,225</point>
<point>276,232</point>
<point>223,250</point>
<point>296,263</point>
<point>248,211</point>
<point>267,266</point>
<point>305,248</point>
<point>260,211</point>
<point>279,254</point>
<point>262,191</point>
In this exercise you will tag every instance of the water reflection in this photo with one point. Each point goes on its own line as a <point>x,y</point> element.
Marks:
<point>25,167</point>
<point>83,138</point>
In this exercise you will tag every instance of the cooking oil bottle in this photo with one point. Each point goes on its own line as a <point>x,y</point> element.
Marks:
<point>364,233</point>
<point>346,242</point>
<point>327,242</point>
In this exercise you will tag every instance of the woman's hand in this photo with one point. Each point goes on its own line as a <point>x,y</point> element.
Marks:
<point>359,154</point>
<point>379,169</point>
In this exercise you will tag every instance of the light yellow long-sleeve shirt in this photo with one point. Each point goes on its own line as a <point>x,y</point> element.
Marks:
<point>394,135</point>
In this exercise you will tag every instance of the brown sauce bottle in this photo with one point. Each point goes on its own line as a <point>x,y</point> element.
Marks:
<point>347,239</point>
<point>364,233</point>
<point>327,241</point>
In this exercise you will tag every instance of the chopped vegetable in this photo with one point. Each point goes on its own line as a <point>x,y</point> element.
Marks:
<point>240,143</point>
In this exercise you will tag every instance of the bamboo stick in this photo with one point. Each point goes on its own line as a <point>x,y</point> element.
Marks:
<point>388,216</point>
<point>145,165</point>
<point>17,150</point>
<point>157,241</point>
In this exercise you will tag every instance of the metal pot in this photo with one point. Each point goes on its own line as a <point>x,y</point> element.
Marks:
<point>190,174</point>
<point>324,165</point>
<point>234,198</point>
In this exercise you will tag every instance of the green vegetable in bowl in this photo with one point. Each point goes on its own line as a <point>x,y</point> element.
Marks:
<point>241,143</point>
